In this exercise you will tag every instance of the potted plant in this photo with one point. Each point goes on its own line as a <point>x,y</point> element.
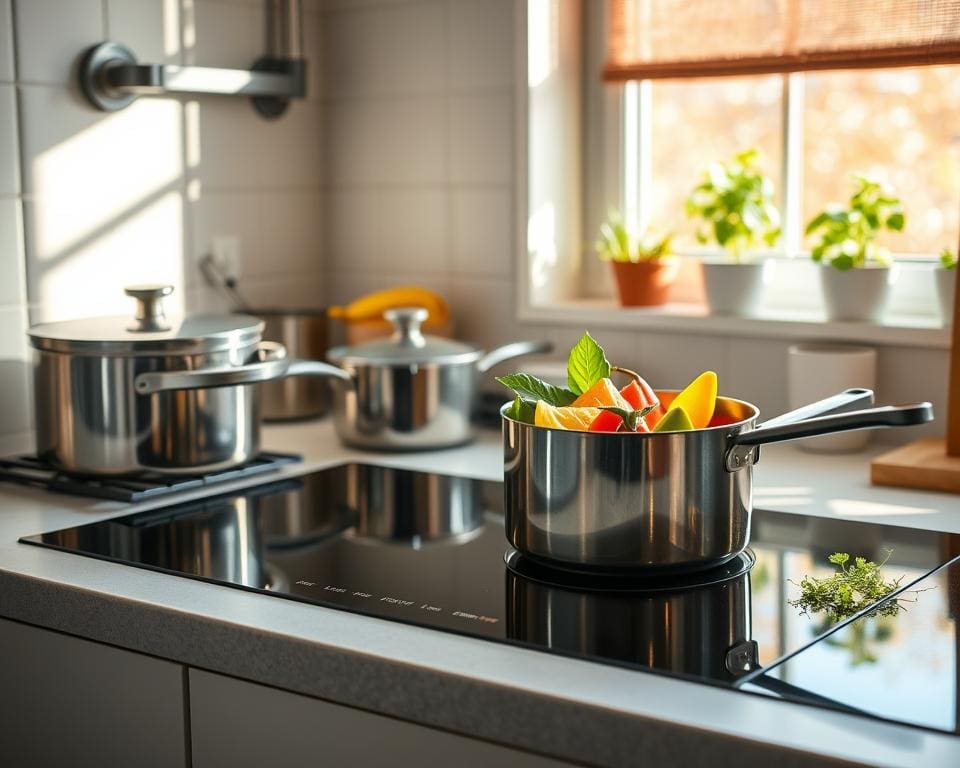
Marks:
<point>736,204</point>
<point>857,273</point>
<point>643,267</point>
<point>946,275</point>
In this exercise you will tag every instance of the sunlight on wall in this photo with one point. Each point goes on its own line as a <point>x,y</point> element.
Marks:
<point>108,203</point>
<point>171,27</point>
<point>543,40</point>
<point>542,244</point>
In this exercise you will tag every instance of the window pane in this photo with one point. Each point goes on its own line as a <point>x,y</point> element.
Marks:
<point>701,121</point>
<point>901,125</point>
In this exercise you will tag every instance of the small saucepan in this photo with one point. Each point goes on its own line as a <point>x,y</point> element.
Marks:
<point>659,500</point>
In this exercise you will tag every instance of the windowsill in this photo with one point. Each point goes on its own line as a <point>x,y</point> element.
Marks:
<point>914,331</point>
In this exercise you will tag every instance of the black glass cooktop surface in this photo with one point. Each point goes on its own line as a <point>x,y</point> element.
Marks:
<point>430,550</point>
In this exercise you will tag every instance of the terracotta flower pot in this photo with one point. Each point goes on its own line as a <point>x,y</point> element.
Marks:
<point>645,283</point>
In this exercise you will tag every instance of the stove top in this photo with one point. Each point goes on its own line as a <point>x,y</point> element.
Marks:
<point>429,549</point>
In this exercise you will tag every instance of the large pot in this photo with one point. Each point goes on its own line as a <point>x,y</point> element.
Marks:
<point>124,395</point>
<point>665,500</point>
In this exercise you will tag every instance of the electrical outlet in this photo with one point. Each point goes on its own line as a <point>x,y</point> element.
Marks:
<point>225,250</point>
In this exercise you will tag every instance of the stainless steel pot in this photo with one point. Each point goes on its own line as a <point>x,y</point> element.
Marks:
<point>304,335</point>
<point>122,395</point>
<point>666,500</point>
<point>412,392</point>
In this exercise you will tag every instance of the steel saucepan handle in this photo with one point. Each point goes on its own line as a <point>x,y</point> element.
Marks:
<point>740,454</point>
<point>509,351</point>
<point>848,400</point>
<point>272,365</point>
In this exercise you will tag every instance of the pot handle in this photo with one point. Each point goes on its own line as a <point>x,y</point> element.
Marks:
<point>509,351</point>
<point>272,365</point>
<point>741,453</point>
<point>848,400</point>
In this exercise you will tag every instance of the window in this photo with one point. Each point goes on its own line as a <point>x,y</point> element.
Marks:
<point>814,130</point>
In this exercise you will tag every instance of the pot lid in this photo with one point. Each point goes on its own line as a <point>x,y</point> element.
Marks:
<point>407,345</point>
<point>148,330</point>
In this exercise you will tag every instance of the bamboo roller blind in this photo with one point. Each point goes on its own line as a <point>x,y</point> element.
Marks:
<point>650,39</point>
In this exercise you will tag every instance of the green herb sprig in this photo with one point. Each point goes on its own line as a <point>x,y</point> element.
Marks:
<point>851,589</point>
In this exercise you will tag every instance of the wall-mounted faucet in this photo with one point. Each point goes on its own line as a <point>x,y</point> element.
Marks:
<point>111,77</point>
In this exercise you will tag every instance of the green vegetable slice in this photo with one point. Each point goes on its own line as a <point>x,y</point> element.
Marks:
<point>522,410</point>
<point>586,365</point>
<point>531,388</point>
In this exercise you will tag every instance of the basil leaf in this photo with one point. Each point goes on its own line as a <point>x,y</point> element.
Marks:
<point>522,410</point>
<point>531,388</point>
<point>586,365</point>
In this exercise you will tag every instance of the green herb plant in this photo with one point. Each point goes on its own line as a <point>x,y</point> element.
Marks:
<point>845,237</point>
<point>735,201</point>
<point>853,588</point>
<point>617,244</point>
<point>586,365</point>
<point>948,259</point>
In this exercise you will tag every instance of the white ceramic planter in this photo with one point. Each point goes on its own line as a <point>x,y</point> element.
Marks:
<point>735,289</point>
<point>946,292</point>
<point>857,294</point>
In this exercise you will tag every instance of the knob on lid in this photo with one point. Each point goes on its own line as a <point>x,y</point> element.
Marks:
<point>149,331</point>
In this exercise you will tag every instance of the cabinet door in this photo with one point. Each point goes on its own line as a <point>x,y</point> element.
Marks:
<point>71,702</point>
<point>245,725</point>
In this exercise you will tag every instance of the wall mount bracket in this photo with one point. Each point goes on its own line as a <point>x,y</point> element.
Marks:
<point>111,78</point>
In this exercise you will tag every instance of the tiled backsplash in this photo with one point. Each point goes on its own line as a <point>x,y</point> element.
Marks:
<point>398,168</point>
<point>139,195</point>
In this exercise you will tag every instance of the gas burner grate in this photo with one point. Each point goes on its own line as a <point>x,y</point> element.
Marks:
<point>29,470</point>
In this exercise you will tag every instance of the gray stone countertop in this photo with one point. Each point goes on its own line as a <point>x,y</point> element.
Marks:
<point>582,711</point>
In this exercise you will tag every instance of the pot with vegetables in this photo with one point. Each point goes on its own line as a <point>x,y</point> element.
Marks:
<point>601,477</point>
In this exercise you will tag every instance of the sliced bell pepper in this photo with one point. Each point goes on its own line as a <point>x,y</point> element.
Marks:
<point>676,420</point>
<point>641,395</point>
<point>699,399</point>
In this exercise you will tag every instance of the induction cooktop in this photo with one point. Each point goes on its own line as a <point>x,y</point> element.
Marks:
<point>429,549</point>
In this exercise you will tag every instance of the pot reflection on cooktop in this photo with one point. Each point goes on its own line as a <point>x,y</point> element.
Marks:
<point>430,550</point>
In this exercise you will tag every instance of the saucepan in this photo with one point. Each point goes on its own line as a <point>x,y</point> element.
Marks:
<point>660,500</point>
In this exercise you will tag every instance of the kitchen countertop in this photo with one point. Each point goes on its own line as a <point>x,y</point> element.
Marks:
<point>578,710</point>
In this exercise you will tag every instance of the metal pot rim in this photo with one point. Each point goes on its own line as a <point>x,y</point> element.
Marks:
<point>647,435</point>
<point>336,355</point>
<point>150,345</point>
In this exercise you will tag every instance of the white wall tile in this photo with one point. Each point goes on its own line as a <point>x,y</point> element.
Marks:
<point>224,34</point>
<point>228,144</point>
<point>51,36</point>
<point>671,361</point>
<point>352,226</point>
<point>480,44</point>
<point>304,291</point>
<point>414,50</point>
<point>355,148</point>
<point>12,290</point>
<point>413,231</point>
<point>484,310</point>
<point>481,139</point>
<point>756,371</point>
<point>16,405</point>
<point>9,162</point>
<point>6,41</point>
<point>414,134</point>
<point>226,215</point>
<point>483,232</point>
<point>292,235</point>
<point>291,147</point>
<point>150,28</point>
<point>907,375</point>
<point>352,54</point>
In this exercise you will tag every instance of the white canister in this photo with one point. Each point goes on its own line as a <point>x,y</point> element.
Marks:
<point>816,371</point>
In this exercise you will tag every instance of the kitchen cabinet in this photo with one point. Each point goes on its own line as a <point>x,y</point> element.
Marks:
<point>66,701</point>
<point>242,724</point>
